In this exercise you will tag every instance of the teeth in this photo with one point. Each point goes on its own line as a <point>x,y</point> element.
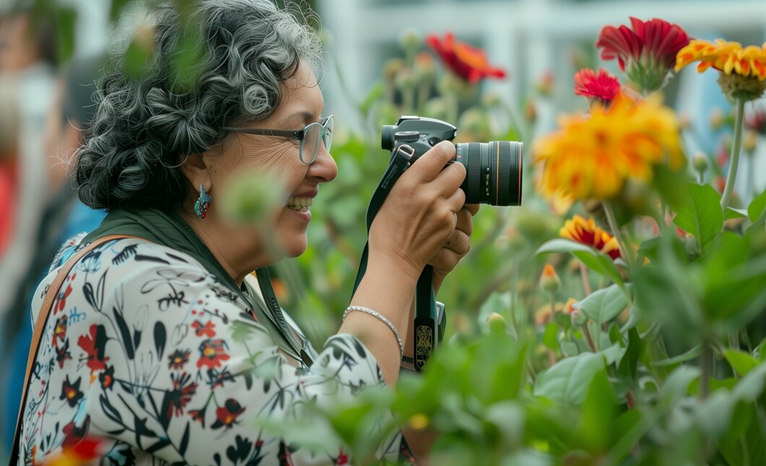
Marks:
<point>301,204</point>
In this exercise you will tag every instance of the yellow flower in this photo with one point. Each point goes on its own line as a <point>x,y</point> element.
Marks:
<point>724,56</point>
<point>743,70</point>
<point>587,233</point>
<point>593,156</point>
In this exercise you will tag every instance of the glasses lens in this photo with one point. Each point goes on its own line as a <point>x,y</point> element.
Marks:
<point>310,147</point>
<point>327,140</point>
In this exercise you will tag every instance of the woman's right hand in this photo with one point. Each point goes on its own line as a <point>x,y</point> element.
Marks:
<point>419,214</point>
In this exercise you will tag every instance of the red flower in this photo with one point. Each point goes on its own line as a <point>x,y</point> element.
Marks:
<point>466,62</point>
<point>602,85</point>
<point>107,378</point>
<point>59,331</point>
<point>226,416</point>
<point>212,352</point>
<point>647,49</point>
<point>61,299</point>
<point>71,392</point>
<point>178,358</point>
<point>176,400</point>
<point>342,458</point>
<point>94,345</point>
<point>198,415</point>
<point>204,330</point>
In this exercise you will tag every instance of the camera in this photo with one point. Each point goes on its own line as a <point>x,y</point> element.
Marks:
<point>493,168</point>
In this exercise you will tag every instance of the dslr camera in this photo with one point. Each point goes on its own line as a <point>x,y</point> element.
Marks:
<point>493,168</point>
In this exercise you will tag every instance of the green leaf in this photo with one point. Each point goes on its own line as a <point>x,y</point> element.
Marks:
<point>677,384</point>
<point>757,207</point>
<point>761,351</point>
<point>568,380</point>
<point>629,362</point>
<point>598,413</point>
<point>604,305</point>
<point>594,260</point>
<point>751,386</point>
<point>702,217</point>
<point>740,361</point>
<point>689,355</point>
<point>732,213</point>
<point>550,337</point>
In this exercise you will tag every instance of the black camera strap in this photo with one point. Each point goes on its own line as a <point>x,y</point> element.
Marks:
<point>425,328</point>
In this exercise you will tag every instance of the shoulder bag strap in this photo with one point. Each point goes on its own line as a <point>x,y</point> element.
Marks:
<point>42,318</point>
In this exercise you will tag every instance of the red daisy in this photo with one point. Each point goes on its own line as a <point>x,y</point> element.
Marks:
<point>601,86</point>
<point>198,415</point>
<point>212,352</point>
<point>646,50</point>
<point>178,359</point>
<point>467,62</point>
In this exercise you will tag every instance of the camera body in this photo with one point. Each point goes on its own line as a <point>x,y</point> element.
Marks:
<point>494,169</point>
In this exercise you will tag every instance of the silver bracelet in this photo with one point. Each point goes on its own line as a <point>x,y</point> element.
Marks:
<point>381,318</point>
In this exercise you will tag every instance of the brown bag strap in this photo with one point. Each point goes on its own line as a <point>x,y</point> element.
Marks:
<point>42,318</point>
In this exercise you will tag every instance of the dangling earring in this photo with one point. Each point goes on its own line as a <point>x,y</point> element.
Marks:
<point>200,207</point>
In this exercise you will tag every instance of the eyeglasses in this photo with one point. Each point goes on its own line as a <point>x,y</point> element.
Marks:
<point>310,137</point>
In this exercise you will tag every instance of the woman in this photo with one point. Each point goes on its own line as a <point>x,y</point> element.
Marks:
<point>158,345</point>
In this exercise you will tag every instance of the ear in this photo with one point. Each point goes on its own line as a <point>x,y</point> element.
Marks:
<point>196,169</point>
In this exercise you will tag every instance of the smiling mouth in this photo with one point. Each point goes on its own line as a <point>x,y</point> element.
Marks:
<point>299,204</point>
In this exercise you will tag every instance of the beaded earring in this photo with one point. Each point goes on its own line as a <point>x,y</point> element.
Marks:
<point>200,207</point>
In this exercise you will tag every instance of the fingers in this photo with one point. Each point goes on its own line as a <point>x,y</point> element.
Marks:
<point>472,208</point>
<point>430,164</point>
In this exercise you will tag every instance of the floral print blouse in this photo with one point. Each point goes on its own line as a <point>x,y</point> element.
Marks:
<point>147,359</point>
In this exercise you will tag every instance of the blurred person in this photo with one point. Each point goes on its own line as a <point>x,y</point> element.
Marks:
<point>160,347</point>
<point>28,58</point>
<point>9,149</point>
<point>64,217</point>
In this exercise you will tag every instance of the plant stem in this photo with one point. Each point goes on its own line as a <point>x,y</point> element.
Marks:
<point>585,282</point>
<point>706,361</point>
<point>735,149</point>
<point>612,220</point>
<point>589,338</point>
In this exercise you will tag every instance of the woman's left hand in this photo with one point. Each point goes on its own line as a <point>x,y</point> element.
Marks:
<point>456,248</point>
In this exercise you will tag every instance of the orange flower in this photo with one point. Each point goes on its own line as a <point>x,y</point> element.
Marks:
<point>586,232</point>
<point>593,156</point>
<point>466,62</point>
<point>743,70</point>
<point>569,306</point>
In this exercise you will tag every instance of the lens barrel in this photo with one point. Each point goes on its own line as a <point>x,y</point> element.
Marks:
<point>494,172</point>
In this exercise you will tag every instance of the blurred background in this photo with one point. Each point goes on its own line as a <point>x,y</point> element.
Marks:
<point>52,50</point>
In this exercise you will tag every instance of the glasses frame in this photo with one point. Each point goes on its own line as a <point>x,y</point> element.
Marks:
<point>299,135</point>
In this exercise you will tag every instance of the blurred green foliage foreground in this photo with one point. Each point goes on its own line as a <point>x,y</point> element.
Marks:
<point>651,355</point>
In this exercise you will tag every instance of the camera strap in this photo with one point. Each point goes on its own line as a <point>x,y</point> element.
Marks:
<point>428,327</point>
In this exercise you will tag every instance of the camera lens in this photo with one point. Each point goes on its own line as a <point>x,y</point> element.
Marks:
<point>493,172</point>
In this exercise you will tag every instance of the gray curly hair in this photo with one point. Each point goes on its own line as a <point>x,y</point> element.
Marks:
<point>144,126</point>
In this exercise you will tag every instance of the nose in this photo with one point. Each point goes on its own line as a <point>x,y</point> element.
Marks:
<point>324,167</point>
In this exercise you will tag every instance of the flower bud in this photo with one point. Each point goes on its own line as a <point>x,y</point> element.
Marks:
<point>404,79</point>
<point>410,39</point>
<point>530,111</point>
<point>496,323</point>
<point>391,69</point>
<point>550,281</point>
<point>569,307</point>
<point>425,68</point>
<point>700,163</point>
<point>578,318</point>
